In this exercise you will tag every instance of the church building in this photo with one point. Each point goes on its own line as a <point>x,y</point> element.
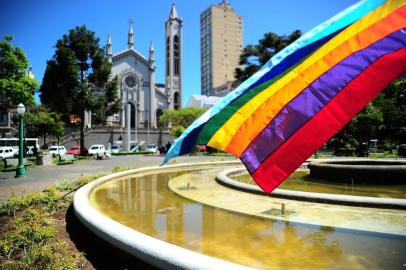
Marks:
<point>143,100</point>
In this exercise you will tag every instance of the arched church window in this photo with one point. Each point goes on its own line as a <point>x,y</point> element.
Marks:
<point>159,112</point>
<point>167,56</point>
<point>176,104</point>
<point>176,53</point>
<point>132,115</point>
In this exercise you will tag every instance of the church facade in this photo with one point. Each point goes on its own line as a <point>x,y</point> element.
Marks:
<point>143,100</point>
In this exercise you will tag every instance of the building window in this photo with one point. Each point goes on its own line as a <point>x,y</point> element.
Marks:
<point>167,56</point>
<point>159,112</point>
<point>176,101</point>
<point>176,54</point>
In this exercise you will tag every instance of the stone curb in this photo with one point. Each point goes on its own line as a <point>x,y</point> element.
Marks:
<point>391,203</point>
<point>151,250</point>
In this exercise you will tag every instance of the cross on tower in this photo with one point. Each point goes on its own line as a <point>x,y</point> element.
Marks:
<point>130,22</point>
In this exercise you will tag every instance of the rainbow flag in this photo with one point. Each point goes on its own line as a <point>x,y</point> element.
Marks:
<point>306,93</point>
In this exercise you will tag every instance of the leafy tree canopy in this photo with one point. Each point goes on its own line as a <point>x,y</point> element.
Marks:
<point>254,57</point>
<point>383,119</point>
<point>15,85</point>
<point>41,122</point>
<point>180,119</point>
<point>77,78</point>
<point>78,70</point>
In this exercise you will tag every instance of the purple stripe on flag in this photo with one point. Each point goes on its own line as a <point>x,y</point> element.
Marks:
<point>313,98</point>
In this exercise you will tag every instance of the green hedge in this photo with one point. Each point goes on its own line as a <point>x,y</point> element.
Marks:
<point>402,150</point>
<point>345,151</point>
<point>132,153</point>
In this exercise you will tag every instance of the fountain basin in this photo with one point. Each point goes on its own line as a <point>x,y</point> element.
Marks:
<point>395,203</point>
<point>360,171</point>
<point>140,212</point>
<point>151,250</point>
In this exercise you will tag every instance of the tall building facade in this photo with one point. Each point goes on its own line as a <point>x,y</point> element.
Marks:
<point>173,55</point>
<point>221,41</point>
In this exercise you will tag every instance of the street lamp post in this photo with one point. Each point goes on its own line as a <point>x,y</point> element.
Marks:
<point>20,172</point>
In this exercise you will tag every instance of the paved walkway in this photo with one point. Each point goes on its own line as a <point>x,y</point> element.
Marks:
<point>41,177</point>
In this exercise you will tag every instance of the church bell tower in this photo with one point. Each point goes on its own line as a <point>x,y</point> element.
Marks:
<point>173,67</point>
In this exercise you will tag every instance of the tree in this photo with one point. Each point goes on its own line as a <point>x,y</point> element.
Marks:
<point>41,122</point>
<point>180,119</point>
<point>177,131</point>
<point>110,103</point>
<point>254,57</point>
<point>392,104</point>
<point>383,119</point>
<point>77,71</point>
<point>15,85</point>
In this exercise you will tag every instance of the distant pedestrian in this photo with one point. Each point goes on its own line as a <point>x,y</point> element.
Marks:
<point>25,149</point>
<point>168,146</point>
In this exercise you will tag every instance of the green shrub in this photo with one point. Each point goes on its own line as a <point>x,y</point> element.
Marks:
<point>132,153</point>
<point>30,243</point>
<point>29,240</point>
<point>345,151</point>
<point>402,150</point>
<point>119,168</point>
<point>15,203</point>
<point>65,185</point>
<point>50,256</point>
<point>88,178</point>
<point>31,228</point>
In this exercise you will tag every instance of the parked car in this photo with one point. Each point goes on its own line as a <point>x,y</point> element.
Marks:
<point>75,150</point>
<point>57,150</point>
<point>116,148</point>
<point>97,149</point>
<point>6,152</point>
<point>152,148</point>
<point>135,148</point>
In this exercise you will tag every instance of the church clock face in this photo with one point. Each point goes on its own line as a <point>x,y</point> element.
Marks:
<point>131,81</point>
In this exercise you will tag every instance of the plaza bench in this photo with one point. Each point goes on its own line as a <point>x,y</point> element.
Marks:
<point>12,162</point>
<point>70,158</point>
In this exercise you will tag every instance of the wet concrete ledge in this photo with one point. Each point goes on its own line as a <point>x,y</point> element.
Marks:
<point>153,251</point>
<point>360,170</point>
<point>391,203</point>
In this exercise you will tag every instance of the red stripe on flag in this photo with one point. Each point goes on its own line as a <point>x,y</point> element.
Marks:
<point>336,114</point>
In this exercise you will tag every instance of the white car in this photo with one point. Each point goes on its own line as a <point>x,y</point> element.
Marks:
<point>152,148</point>
<point>57,150</point>
<point>97,149</point>
<point>116,148</point>
<point>6,152</point>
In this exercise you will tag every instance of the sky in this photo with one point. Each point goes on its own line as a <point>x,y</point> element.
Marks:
<point>37,25</point>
